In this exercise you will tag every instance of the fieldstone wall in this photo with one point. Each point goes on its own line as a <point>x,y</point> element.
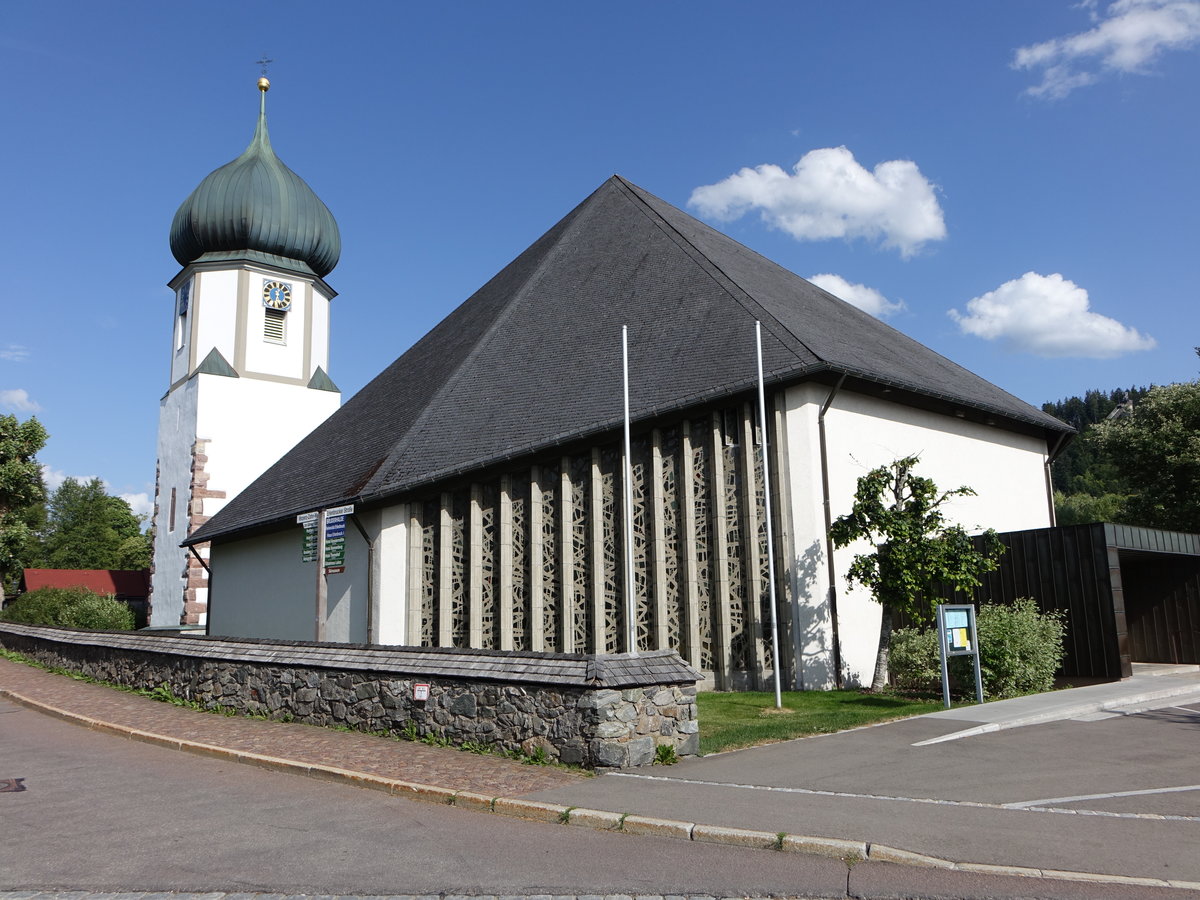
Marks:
<point>583,710</point>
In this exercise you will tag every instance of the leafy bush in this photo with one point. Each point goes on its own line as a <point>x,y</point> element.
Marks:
<point>70,608</point>
<point>913,660</point>
<point>1020,649</point>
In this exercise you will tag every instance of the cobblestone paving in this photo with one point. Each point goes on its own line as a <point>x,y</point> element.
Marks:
<point>305,744</point>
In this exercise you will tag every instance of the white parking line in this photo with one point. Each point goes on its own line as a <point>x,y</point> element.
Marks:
<point>1025,804</point>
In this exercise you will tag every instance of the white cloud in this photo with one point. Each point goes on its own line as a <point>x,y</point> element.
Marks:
<point>1126,38</point>
<point>14,353</point>
<point>830,195</point>
<point>865,298</point>
<point>140,503</point>
<point>55,477</point>
<point>17,400</point>
<point>1048,315</point>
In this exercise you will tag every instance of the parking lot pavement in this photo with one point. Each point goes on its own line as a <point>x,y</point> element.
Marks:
<point>1107,792</point>
<point>1116,794</point>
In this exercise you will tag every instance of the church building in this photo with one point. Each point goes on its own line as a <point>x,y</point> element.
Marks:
<point>249,353</point>
<point>485,465</point>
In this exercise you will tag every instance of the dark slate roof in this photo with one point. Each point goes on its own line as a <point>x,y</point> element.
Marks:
<point>620,670</point>
<point>532,359</point>
<point>257,208</point>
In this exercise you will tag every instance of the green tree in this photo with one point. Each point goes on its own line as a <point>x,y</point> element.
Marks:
<point>21,492</point>
<point>902,514</point>
<point>1156,452</point>
<point>88,529</point>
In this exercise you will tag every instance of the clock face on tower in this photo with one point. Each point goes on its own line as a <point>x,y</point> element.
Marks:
<point>277,295</point>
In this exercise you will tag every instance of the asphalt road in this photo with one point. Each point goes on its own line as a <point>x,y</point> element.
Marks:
<point>1115,794</point>
<point>104,814</point>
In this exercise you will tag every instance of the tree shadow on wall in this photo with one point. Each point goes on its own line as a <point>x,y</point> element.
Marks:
<point>812,621</point>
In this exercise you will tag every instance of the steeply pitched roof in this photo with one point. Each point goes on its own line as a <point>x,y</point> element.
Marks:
<point>532,359</point>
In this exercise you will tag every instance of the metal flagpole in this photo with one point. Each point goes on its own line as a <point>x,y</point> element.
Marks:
<point>630,628</point>
<point>762,424</point>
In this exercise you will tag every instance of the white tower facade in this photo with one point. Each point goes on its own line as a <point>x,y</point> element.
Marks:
<point>249,354</point>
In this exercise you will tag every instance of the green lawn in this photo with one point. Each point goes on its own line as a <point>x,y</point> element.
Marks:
<point>732,720</point>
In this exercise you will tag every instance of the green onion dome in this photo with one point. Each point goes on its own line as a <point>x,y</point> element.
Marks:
<point>257,208</point>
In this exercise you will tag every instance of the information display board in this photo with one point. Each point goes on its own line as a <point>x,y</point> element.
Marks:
<point>957,637</point>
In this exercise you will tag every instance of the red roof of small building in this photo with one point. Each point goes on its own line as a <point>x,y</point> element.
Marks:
<point>123,583</point>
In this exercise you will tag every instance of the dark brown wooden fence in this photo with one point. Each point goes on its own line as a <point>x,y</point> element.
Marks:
<point>1128,594</point>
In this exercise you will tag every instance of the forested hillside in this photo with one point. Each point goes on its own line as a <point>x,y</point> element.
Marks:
<point>1136,459</point>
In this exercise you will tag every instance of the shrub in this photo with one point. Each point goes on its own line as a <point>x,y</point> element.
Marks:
<point>1020,649</point>
<point>70,608</point>
<point>913,660</point>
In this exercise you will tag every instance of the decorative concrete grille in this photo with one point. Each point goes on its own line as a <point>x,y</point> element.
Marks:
<point>429,568</point>
<point>700,574</point>
<point>459,623</point>
<point>581,556</point>
<point>671,545</point>
<point>490,638</point>
<point>614,608</point>
<point>764,580</point>
<point>702,537</point>
<point>641,575</point>
<point>739,655</point>
<point>551,577</point>
<point>520,564</point>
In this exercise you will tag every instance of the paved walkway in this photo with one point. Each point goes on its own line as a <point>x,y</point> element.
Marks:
<point>690,806</point>
<point>291,745</point>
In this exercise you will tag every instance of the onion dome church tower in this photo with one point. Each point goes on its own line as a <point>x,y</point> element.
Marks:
<point>249,352</point>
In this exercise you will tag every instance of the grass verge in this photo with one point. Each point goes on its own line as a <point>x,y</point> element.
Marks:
<point>732,720</point>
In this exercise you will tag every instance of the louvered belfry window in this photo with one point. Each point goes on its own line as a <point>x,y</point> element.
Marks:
<point>275,325</point>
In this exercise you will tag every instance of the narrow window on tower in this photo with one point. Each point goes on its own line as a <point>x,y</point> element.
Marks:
<point>171,524</point>
<point>181,319</point>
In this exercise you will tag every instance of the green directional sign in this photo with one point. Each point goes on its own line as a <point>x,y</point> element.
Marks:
<point>335,541</point>
<point>309,521</point>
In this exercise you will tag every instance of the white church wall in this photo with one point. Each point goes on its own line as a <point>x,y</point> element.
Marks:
<point>320,331</point>
<point>1005,469</point>
<point>348,592</point>
<point>215,306</point>
<point>176,436</point>
<point>249,424</point>
<point>269,357</point>
<point>263,589</point>
<point>260,588</point>
<point>391,577</point>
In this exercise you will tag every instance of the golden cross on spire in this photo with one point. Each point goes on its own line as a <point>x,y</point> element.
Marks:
<point>264,85</point>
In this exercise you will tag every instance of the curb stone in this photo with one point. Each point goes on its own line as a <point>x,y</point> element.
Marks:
<point>648,825</point>
<point>594,818</point>
<point>737,837</point>
<point>835,847</point>
<point>548,812</point>
<point>884,853</point>
<point>529,809</point>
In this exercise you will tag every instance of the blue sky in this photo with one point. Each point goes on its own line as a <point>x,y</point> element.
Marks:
<point>1012,183</point>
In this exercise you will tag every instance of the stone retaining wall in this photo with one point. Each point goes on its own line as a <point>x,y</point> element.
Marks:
<point>592,711</point>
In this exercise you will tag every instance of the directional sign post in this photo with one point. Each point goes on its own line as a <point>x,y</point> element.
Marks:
<point>309,521</point>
